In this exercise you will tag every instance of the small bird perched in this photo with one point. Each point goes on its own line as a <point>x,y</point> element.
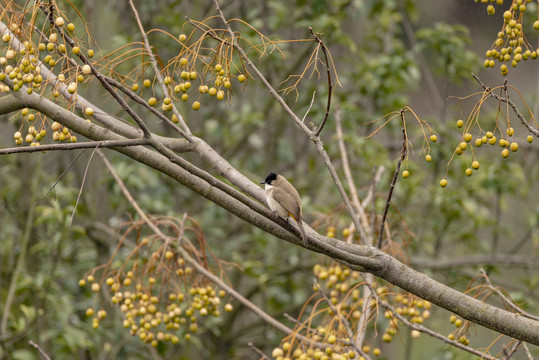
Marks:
<point>284,200</point>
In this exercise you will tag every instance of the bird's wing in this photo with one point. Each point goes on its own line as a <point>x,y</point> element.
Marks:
<point>288,202</point>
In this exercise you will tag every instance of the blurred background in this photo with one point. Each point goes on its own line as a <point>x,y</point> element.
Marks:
<point>387,54</point>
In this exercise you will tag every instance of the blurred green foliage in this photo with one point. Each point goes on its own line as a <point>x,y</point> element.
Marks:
<point>379,71</point>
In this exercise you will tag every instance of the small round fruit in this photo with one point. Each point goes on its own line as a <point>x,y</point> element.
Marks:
<point>152,101</point>
<point>492,140</point>
<point>90,53</point>
<point>428,158</point>
<point>433,138</point>
<point>376,352</point>
<point>463,145</point>
<point>468,172</point>
<point>241,78</point>
<point>218,67</point>
<point>229,307</point>
<point>468,137</point>
<point>405,174</point>
<point>135,87</point>
<point>95,287</point>
<point>478,142</point>
<point>529,139</point>
<point>59,21</point>
<point>443,183</point>
<point>76,50</point>
<point>475,164</point>
<point>514,146</point>
<point>460,123</point>
<point>29,138</point>
<point>505,153</point>
<point>182,37</point>
<point>71,27</point>
<point>196,105</point>
<point>147,83</point>
<point>510,131</point>
<point>185,97</point>
<point>89,111</point>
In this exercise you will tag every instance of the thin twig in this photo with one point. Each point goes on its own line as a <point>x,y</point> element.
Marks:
<point>530,357</point>
<point>342,320</point>
<point>505,299</point>
<point>43,353</point>
<point>488,90</point>
<point>156,69</point>
<point>82,185</point>
<point>348,174</point>
<point>258,351</point>
<point>73,146</point>
<point>330,85</point>
<point>394,181</point>
<point>61,176</point>
<point>309,108</point>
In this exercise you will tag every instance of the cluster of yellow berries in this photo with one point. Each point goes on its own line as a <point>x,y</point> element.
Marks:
<point>333,351</point>
<point>155,311</point>
<point>417,311</point>
<point>183,88</point>
<point>458,324</point>
<point>508,145</point>
<point>510,45</point>
<point>22,68</point>
<point>339,281</point>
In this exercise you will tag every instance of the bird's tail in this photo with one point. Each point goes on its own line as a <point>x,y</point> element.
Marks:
<point>302,231</point>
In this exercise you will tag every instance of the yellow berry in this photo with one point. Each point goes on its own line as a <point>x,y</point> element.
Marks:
<point>405,174</point>
<point>428,158</point>
<point>82,282</point>
<point>71,27</point>
<point>90,53</point>
<point>468,172</point>
<point>185,97</point>
<point>475,164</point>
<point>460,123</point>
<point>241,78</point>
<point>76,50</point>
<point>468,137</point>
<point>135,87</point>
<point>478,142</point>
<point>492,140</point>
<point>218,67</point>
<point>182,37</point>
<point>514,146</point>
<point>89,312</point>
<point>59,21</point>
<point>147,83</point>
<point>152,101</point>
<point>196,105</point>
<point>386,338</point>
<point>95,287</point>
<point>376,352</point>
<point>463,145</point>
<point>89,111</point>
<point>229,307</point>
<point>505,153</point>
<point>529,139</point>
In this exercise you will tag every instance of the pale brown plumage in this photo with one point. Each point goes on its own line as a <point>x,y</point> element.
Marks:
<point>284,199</point>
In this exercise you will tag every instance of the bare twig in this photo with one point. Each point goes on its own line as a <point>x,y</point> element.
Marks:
<point>394,181</point>
<point>43,353</point>
<point>521,117</point>
<point>82,185</point>
<point>61,176</point>
<point>505,299</point>
<point>73,146</point>
<point>258,351</point>
<point>348,174</point>
<point>330,86</point>
<point>343,321</point>
<point>156,68</point>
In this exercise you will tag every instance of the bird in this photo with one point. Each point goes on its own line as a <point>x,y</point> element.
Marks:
<point>283,199</point>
